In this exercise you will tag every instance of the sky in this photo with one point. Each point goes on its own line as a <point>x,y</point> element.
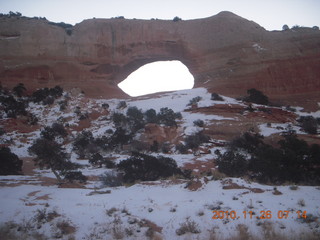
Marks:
<point>270,14</point>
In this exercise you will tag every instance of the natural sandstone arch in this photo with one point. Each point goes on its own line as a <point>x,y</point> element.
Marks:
<point>225,53</point>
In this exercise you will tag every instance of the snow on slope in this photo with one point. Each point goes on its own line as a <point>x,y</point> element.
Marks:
<point>165,204</point>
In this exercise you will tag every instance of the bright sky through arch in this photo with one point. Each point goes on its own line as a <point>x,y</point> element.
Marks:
<point>158,77</point>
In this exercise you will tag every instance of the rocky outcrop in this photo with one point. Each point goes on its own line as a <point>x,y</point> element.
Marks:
<point>225,53</point>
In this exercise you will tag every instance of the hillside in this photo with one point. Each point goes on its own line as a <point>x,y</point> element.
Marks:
<point>35,206</point>
<point>225,53</point>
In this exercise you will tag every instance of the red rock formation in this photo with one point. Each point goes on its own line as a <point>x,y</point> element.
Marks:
<point>225,53</point>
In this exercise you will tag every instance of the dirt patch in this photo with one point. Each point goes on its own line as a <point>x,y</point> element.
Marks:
<point>202,166</point>
<point>44,197</point>
<point>47,181</point>
<point>194,185</point>
<point>231,185</point>
<point>152,225</point>
<point>28,166</point>
<point>32,194</point>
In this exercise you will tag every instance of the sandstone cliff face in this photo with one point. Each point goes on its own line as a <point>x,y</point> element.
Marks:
<point>225,53</point>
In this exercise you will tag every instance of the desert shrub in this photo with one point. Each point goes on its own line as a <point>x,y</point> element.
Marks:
<point>266,164</point>
<point>122,104</point>
<point>105,105</point>
<point>10,164</point>
<point>84,145</point>
<point>216,97</point>
<point>84,116</point>
<point>151,116</point>
<point>285,27</point>
<point>188,227</point>
<point>96,159</point>
<point>248,141</point>
<point>294,160</point>
<point>32,119</point>
<point>119,119</point>
<point>154,147</point>
<point>77,111</point>
<point>51,155</point>
<point>49,100</point>
<point>56,130</point>
<point>232,163</point>
<point>199,123</point>
<point>256,96</point>
<point>19,89</point>
<point>181,148</point>
<point>42,216</point>
<point>195,140</point>
<point>75,176</point>
<point>120,137</point>
<point>111,179</point>
<point>177,19</point>
<point>194,100</point>
<point>296,27</point>
<point>165,147</point>
<point>103,142</point>
<point>47,95</point>
<point>147,168</point>
<point>13,107</point>
<point>309,124</point>
<point>167,117</point>
<point>135,118</point>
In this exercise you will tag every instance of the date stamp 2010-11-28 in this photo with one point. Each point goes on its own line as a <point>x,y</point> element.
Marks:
<point>265,214</point>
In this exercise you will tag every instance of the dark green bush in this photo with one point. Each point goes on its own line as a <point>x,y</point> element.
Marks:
<point>309,124</point>
<point>13,107</point>
<point>181,148</point>
<point>248,141</point>
<point>51,155</point>
<point>256,96</point>
<point>57,129</point>
<point>84,144</point>
<point>96,159</point>
<point>120,137</point>
<point>147,168</point>
<point>216,97</point>
<point>122,105</point>
<point>135,118</point>
<point>119,119</point>
<point>177,19</point>
<point>294,160</point>
<point>199,123</point>
<point>167,117</point>
<point>232,163</point>
<point>19,89</point>
<point>194,100</point>
<point>10,164</point>
<point>72,176</point>
<point>151,116</point>
<point>195,140</point>
<point>47,95</point>
<point>154,147</point>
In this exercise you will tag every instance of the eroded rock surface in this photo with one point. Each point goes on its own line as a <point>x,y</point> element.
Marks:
<point>225,53</point>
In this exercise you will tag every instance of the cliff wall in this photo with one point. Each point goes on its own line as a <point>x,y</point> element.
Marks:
<point>225,53</point>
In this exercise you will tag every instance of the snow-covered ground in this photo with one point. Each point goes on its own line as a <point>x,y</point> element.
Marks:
<point>167,206</point>
<point>129,212</point>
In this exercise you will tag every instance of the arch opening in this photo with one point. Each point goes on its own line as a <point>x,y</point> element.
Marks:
<point>159,76</point>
